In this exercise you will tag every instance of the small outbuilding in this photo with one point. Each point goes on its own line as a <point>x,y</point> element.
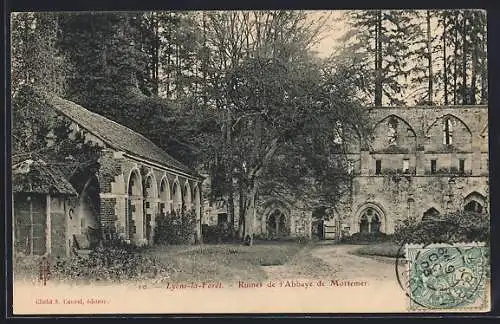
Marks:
<point>42,200</point>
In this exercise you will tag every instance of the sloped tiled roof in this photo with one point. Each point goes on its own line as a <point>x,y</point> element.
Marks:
<point>115,135</point>
<point>39,177</point>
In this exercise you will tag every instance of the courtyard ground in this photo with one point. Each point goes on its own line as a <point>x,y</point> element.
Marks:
<point>335,261</point>
<point>273,261</point>
<point>230,263</point>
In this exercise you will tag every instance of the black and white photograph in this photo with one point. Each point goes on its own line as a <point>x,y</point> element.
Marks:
<point>250,161</point>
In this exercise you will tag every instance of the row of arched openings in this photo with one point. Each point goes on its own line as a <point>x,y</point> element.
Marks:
<point>144,203</point>
<point>398,131</point>
<point>370,219</point>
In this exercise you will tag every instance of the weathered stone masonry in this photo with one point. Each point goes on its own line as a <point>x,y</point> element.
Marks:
<point>136,180</point>
<point>134,192</point>
<point>420,161</point>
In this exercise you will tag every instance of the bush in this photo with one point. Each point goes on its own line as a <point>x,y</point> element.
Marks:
<point>26,266</point>
<point>175,227</point>
<point>457,227</point>
<point>110,263</point>
<point>217,233</point>
<point>386,249</point>
<point>365,238</point>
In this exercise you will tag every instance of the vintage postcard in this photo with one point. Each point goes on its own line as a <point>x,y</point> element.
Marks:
<point>212,162</point>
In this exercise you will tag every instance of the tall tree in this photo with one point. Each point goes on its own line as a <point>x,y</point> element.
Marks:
<point>383,34</point>
<point>35,56</point>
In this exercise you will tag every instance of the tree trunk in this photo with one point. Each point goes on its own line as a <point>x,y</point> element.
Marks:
<point>465,97</point>
<point>484,66</point>
<point>445,62</point>
<point>455,61</point>
<point>474,62</point>
<point>229,167</point>
<point>429,53</point>
<point>249,216</point>
<point>205,62</point>
<point>169,59</point>
<point>241,215</point>
<point>378,53</point>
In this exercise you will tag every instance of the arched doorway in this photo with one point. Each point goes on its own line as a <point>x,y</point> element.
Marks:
<point>370,221</point>
<point>277,225</point>
<point>475,202</point>
<point>89,203</point>
<point>165,200</point>
<point>187,196</point>
<point>150,207</point>
<point>177,197</point>
<point>473,206</point>
<point>135,220</point>
<point>430,214</point>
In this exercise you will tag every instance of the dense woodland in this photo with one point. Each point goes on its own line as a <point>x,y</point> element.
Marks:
<point>241,95</point>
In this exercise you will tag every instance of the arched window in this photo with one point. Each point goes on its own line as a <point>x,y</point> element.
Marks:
<point>474,206</point>
<point>375,226</point>
<point>392,133</point>
<point>430,213</point>
<point>277,224</point>
<point>364,224</point>
<point>370,221</point>
<point>448,131</point>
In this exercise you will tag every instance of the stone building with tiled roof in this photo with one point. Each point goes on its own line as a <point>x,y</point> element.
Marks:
<point>135,182</point>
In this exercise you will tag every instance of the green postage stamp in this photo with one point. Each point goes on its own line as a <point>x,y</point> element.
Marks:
<point>448,276</point>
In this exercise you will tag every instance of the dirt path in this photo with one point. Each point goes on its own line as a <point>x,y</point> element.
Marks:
<point>350,266</point>
<point>334,261</point>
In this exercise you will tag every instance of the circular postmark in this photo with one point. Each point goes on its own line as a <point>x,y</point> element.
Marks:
<point>441,275</point>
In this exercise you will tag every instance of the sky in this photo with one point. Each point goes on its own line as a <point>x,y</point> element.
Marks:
<point>335,28</point>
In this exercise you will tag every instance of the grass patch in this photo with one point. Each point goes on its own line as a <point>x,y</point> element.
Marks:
<point>386,249</point>
<point>224,262</point>
<point>306,265</point>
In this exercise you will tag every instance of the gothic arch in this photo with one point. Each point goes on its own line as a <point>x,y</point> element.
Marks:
<point>88,209</point>
<point>474,202</point>
<point>150,205</point>
<point>165,197</point>
<point>134,174</point>
<point>455,134</point>
<point>430,213</point>
<point>277,223</point>
<point>176,195</point>
<point>153,185</point>
<point>269,207</point>
<point>448,116</point>
<point>187,195</point>
<point>393,130</point>
<point>372,213</point>
<point>386,118</point>
<point>135,214</point>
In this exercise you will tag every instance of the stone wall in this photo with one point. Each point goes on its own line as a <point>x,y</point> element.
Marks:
<point>432,140</point>
<point>152,193</point>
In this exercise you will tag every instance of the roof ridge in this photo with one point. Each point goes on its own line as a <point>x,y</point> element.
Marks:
<point>57,100</point>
